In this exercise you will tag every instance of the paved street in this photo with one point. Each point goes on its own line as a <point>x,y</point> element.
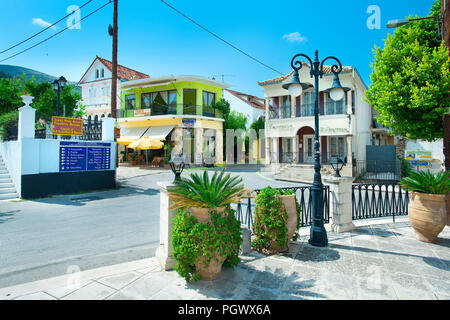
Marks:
<point>377,261</point>
<point>47,237</point>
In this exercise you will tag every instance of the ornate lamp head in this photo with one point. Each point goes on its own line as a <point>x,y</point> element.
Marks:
<point>337,164</point>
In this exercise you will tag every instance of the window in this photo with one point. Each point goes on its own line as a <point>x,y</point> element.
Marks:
<point>286,107</point>
<point>91,92</point>
<point>147,100</point>
<point>189,101</point>
<point>308,105</point>
<point>130,102</point>
<point>208,104</point>
<point>172,102</point>
<point>103,73</point>
<point>96,74</point>
<point>335,107</point>
<point>353,101</point>
<point>337,146</point>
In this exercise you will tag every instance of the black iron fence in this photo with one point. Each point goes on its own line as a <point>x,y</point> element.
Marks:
<point>305,157</point>
<point>374,171</point>
<point>92,130</point>
<point>371,200</point>
<point>245,208</point>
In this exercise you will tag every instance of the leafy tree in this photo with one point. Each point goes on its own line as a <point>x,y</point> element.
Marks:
<point>258,125</point>
<point>411,80</point>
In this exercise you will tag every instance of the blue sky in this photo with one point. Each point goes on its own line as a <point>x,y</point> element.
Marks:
<point>156,40</point>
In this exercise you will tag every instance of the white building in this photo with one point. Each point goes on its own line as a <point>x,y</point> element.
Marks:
<point>345,126</point>
<point>251,106</point>
<point>96,86</point>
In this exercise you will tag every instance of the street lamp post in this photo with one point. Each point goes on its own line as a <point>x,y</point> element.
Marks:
<point>318,234</point>
<point>57,86</point>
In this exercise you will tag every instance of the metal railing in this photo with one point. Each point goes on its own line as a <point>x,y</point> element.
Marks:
<point>374,171</point>
<point>274,113</point>
<point>305,157</point>
<point>378,200</point>
<point>245,208</point>
<point>92,130</point>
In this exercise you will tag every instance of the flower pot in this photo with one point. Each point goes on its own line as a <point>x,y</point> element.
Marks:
<point>213,270</point>
<point>291,224</point>
<point>427,214</point>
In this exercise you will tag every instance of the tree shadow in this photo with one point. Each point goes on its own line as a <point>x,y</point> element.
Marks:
<point>7,216</point>
<point>82,198</point>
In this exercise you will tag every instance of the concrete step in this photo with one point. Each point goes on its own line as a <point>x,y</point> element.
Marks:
<point>9,196</point>
<point>7,190</point>
<point>4,175</point>
<point>6,185</point>
<point>3,171</point>
<point>5,180</point>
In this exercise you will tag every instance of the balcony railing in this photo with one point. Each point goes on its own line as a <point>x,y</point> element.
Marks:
<point>157,110</point>
<point>306,157</point>
<point>274,114</point>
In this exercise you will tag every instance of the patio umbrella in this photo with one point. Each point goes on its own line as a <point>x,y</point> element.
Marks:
<point>125,141</point>
<point>146,143</point>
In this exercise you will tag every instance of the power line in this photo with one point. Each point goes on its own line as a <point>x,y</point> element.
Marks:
<point>29,48</point>
<point>221,39</point>
<point>52,25</point>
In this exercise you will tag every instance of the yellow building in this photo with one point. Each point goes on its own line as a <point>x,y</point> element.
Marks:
<point>167,116</point>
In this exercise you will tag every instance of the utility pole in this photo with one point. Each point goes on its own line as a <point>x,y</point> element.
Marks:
<point>113,32</point>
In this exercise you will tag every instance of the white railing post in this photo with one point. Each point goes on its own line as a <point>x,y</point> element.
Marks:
<point>27,117</point>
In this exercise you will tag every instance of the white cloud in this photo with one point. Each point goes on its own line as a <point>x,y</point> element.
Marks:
<point>42,23</point>
<point>294,37</point>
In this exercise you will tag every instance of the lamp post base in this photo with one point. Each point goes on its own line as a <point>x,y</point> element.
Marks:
<point>318,236</point>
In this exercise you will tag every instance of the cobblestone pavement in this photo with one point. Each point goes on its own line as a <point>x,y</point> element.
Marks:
<point>382,261</point>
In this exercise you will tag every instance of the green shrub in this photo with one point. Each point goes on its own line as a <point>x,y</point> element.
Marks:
<point>203,192</point>
<point>192,239</point>
<point>406,167</point>
<point>427,182</point>
<point>271,218</point>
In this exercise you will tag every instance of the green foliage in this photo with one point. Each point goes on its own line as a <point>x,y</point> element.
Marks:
<point>80,111</point>
<point>406,167</point>
<point>10,92</point>
<point>258,125</point>
<point>192,239</point>
<point>8,121</point>
<point>271,218</point>
<point>201,191</point>
<point>411,80</point>
<point>223,106</point>
<point>427,182</point>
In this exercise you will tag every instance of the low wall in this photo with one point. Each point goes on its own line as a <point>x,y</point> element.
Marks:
<point>37,170</point>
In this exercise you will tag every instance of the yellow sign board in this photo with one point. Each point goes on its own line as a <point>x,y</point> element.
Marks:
<point>67,126</point>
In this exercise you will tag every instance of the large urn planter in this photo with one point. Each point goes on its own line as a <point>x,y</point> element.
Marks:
<point>211,270</point>
<point>206,233</point>
<point>276,220</point>
<point>427,214</point>
<point>290,205</point>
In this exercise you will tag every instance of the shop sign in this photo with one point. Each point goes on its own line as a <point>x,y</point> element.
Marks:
<point>67,126</point>
<point>116,133</point>
<point>419,163</point>
<point>188,123</point>
<point>418,155</point>
<point>142,112</point>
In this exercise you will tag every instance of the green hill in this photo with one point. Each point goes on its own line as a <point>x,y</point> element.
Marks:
<point>14,71</point>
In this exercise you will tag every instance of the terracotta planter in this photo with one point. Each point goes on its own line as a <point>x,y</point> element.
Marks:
<point>291,224</point>
<point>427,214</point>
<point>213,270</point>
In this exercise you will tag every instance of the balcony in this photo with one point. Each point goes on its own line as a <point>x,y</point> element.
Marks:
<point>160,110</point>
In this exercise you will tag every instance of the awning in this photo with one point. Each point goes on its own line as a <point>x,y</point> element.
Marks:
<point>158,132</point>
<point>144,138</point>
<point>146,143</point>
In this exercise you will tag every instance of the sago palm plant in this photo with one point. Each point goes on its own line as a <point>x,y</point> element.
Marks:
<point>201,191</point>
<point>427,182</point>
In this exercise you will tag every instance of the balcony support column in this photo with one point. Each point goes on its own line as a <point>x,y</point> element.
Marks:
<point>293,106</point>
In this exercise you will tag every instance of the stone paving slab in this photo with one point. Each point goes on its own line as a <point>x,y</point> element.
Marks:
<point>379,261</point>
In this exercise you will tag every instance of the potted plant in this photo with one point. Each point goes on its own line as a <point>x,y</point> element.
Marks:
<point>206,233</point>
<point>134,158</point>
<point>427,209</point>
<point>277,220</point>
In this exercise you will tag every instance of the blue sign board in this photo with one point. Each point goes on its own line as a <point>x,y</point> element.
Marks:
<point>82,156</point>
<point>420,163</point>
